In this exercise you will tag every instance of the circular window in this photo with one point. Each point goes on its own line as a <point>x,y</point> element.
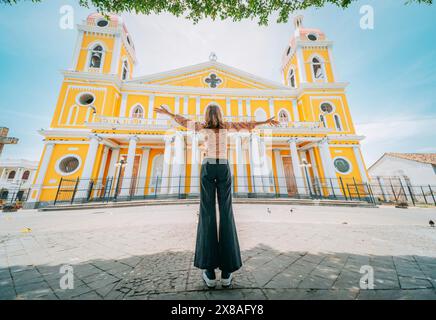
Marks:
<point>326,107</point>
<point>312,37</point>
<point>342,165</point>
<point>102,23</point>
<point>68,165</point>
<point>85,99</point>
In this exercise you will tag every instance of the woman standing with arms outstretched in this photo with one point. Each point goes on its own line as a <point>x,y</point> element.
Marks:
<point>216,249</point>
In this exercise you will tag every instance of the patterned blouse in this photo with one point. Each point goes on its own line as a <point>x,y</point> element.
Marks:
<point>215,139</point>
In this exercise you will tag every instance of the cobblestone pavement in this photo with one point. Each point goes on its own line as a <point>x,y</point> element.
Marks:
<point>147,253</point>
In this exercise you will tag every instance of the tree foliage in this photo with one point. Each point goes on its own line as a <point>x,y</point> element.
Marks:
<point>195,10</point>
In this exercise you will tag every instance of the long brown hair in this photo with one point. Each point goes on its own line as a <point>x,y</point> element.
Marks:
<point>213,117</point>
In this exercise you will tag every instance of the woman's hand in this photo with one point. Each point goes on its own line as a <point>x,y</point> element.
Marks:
<point>163,110</point>
<point>272,122</point>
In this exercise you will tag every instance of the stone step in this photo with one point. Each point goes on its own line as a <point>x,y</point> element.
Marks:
<point>152,202</point>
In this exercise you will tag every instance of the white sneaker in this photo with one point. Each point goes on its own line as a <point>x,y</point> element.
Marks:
<point>211,283</point>
<point>227,282</point>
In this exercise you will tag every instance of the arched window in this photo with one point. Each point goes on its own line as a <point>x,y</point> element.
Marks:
<point>291,79</point>
<point>26,175</point>
<point>11,175</point>
<point>337,122</point>
<point>96,57</point>
<point>260,114</point>
<point>317,69</point>
<point>322,119</point>
<point>137,112</point>
<point>125,74</point>
<point>283,116</point>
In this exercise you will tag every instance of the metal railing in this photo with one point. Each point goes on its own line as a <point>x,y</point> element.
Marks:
<point>122,189</point>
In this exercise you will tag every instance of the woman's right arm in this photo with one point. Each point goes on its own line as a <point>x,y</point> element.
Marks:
<point>181,120</point>
<point>250,125</point>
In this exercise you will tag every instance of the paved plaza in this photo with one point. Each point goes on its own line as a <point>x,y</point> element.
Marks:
<point>289,252</point>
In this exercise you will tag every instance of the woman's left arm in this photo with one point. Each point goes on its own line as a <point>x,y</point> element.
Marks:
<point>250,125</point>
<point>184,122</point>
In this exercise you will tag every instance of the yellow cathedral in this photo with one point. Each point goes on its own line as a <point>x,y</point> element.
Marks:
<point>105,141</point>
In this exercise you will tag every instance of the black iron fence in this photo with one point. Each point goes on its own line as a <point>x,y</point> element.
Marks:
<point>71,191</point>
<point>14,195</point>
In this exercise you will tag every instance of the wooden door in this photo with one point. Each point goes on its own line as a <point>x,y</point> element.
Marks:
<point>289,175</point>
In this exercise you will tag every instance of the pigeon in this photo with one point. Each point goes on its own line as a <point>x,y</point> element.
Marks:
<point>291,210</point>
<point>431,223</point>
<point>268,210</point>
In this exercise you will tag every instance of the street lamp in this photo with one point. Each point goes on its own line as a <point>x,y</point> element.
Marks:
<point>120,164</point>
<point>305,164</point>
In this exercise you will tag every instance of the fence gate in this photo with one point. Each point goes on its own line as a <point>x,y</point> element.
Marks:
<point>66,190</point>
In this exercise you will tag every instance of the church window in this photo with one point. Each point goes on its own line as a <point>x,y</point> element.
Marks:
<point>213,80</point>
<point>68,165</point>
<point>317,68</point>
<point>312,37</point>
<point>260,114</point>
<point>96,57</point>
<point>137,112</point>
<point>102,23</point>
<point>85,99</point>
<point>337,123</point>
<point>11,175</point>
<point>342,165</point>
<point>283,116</point>
<point>292,81</point>
<point>326,107</point>
<point>322,119</point>
<point>125,70</point>
<point>25,175</point>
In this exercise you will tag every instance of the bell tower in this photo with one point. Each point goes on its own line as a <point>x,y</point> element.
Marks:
<point>307,58</point>
<point>104,46</point>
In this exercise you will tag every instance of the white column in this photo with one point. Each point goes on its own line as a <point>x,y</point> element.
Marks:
<point>281,178</point>
<point>265,166</point>
<point>240,166</point>
<point>116,55</point>
<point>255,163</point>
<point>315,170</point>
<point>301,65</point>
<point>111,174</point>
<point>228,107</point>
<point>358,155</point>
<point>177,105</point>
<point>271,108</point>
<point>123,105</point>
<point>42,171</point>
<point>299,178</point>
<point>177,164</point>
<point>114,158</point>
<point>128,170</point>
<point>248,104</point>
<point>295,110</point>
<point>103,164</point>
<point>195,162</point>
<point>166,165</point>
<point>185,104</point>
<point>90,157</point>
<point>327,163</point>
<point>197,106</point>
<point>150,107</point>
<point>240,107</point>
<point>140,191</point>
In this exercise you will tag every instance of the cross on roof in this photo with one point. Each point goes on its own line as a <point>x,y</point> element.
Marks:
<point>4,139</point>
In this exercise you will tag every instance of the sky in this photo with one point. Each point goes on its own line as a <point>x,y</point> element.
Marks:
<point>391,68</point>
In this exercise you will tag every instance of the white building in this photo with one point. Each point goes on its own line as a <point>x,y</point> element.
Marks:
<point>16,176</point>
<point>413,169</point>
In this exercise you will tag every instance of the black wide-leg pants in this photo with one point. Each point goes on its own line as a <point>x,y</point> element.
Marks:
<point>216,248</point>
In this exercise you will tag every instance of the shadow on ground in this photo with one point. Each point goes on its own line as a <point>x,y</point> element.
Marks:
<point>266,274</point>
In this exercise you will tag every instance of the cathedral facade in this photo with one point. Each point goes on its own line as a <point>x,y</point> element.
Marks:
<point>106,140</point>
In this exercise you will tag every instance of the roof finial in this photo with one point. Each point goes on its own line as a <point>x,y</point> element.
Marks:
<point>298,22</point>
<point>213,57</point>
